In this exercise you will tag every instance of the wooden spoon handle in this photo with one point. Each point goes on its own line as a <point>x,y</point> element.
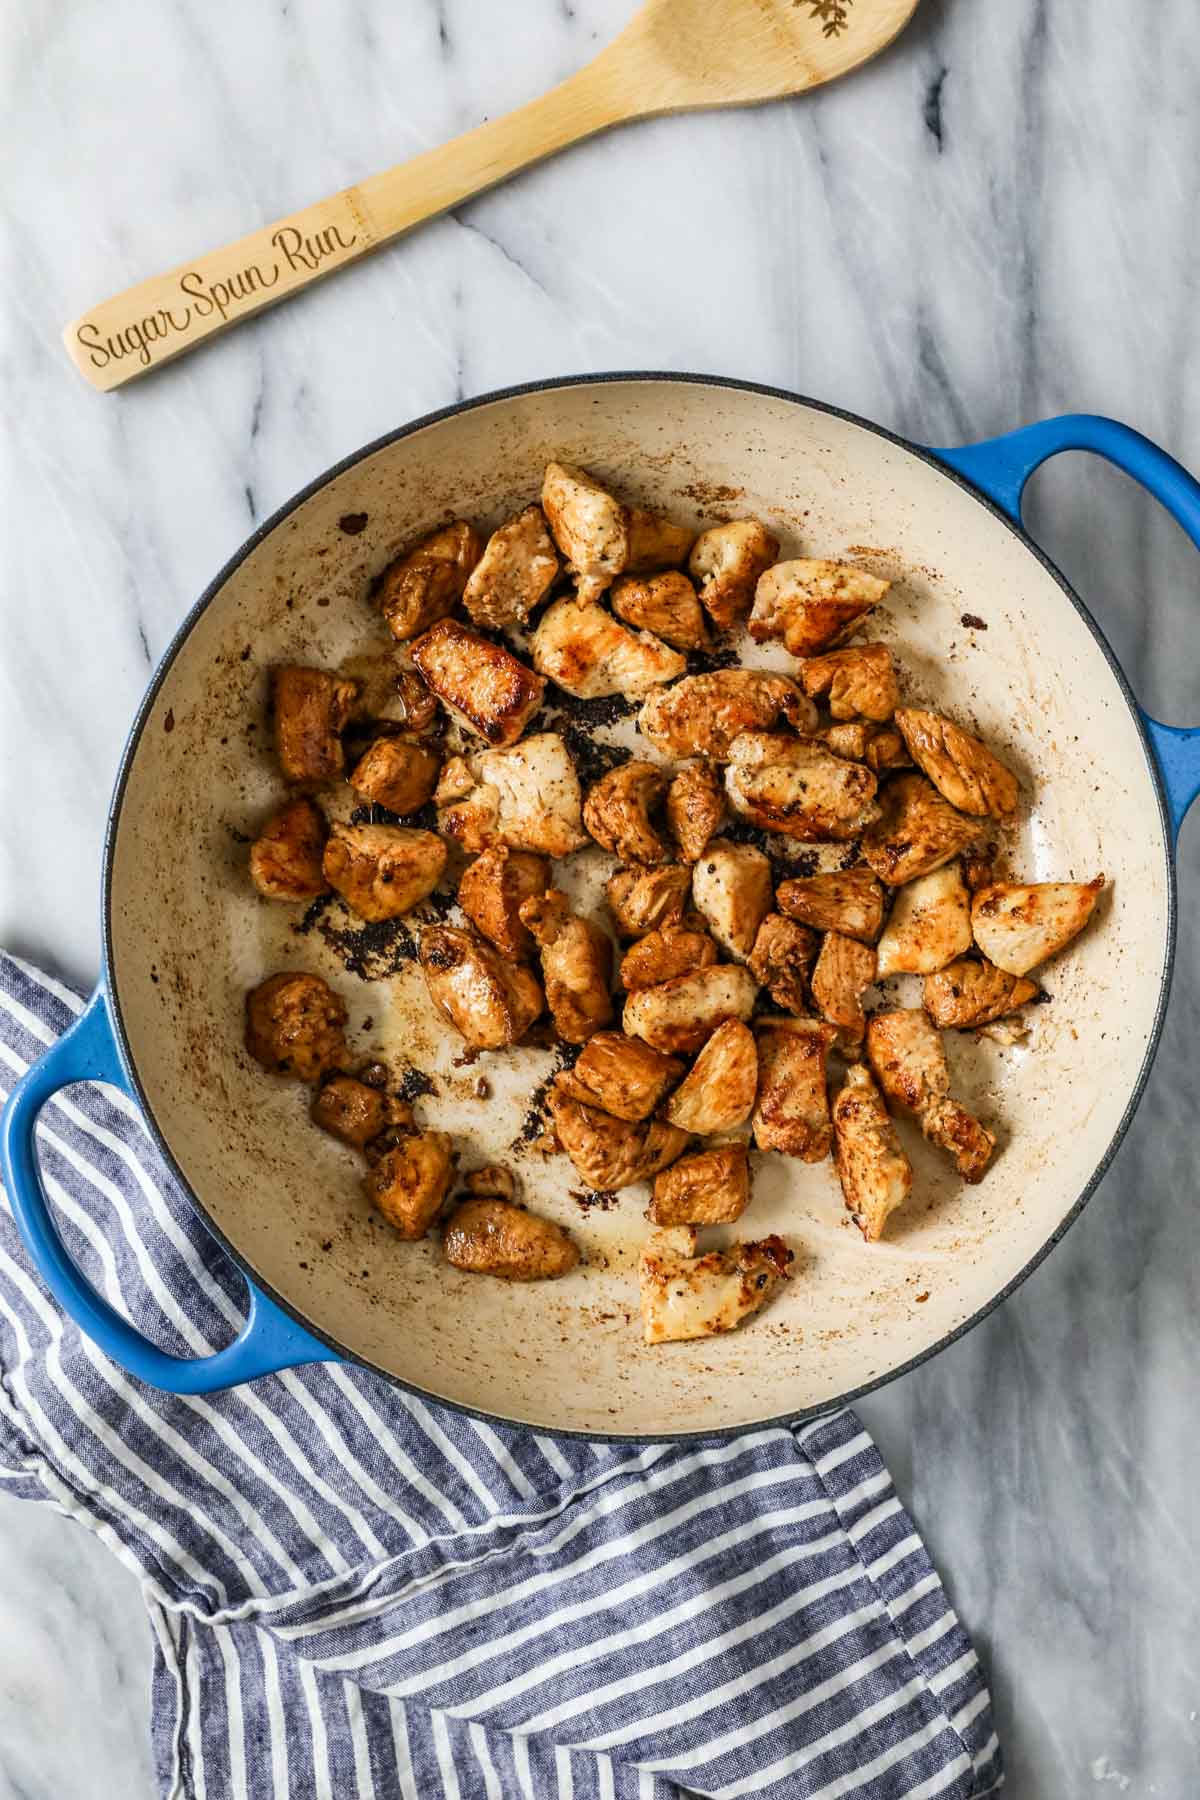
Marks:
<point>161,318</point>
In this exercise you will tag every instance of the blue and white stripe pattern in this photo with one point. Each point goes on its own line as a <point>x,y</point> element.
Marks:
<point>357,1594</point>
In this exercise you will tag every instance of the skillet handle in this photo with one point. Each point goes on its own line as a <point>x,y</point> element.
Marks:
<point>1000,468</point>
<point>269,1340</point>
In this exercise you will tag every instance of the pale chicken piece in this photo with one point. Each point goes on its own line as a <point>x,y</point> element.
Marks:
<point>310,709</point>
<point>527,797</point>
<point>711,1187</point>
<point>410,1181</point>
<point>930,924</point>
<point>791,1113</point>
<point>576,965</point>
<point>620,1075</point>
<point>618,808</point>
<point>610,1153</point>
<point>726,561</point>
<point>916,831</point>
<point>663,954</point>
<point>844,971</point>
<point>515,572</point>
<point>382,871</point>
<point>967,994</point>
<point>695,808</point>
<point>492,891</point>
<point>354,1112</point>
<point>656,542</point>
<point>851,739</point>
<point>963,770</point>
<point>859,682</point>
<point>875,1174</point>
<point>482,685</point>
<point>665,604</point>
<point>702,715</point>
<point>588,653</point>
<point>589,525</point>
<point>717,1093</point>
<point>493,1237</point>
<point>782,959</point>
<point>688,1296</point>
<point>421,587</point>
<point>396,774</point>
<point>645,900</point>
<point>285,857</point>
<point>490,1001</point>
<point>680,1016</point>
<point>909,1062</point>
<point>731,886</point>
<point>846,900</point>
<point>1018,925</point>
<point>959,1133</point>
<point>795,786</point>
<point>296,1025</point>
<point>813,604</point>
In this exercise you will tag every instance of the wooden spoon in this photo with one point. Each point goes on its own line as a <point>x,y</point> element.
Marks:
<point>673,56</point>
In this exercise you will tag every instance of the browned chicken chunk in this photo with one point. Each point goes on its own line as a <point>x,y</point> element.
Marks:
<point>661,955</point>
<point>956,1131</point>
<point>410,1181</point>
<point>813,604</point>
<point>489,1001</point>
<point>703,714</point>
<point>588,653</point>
<point>382,871</point>
<point>655,542</point>
<point>875,1174</point>
<point>285,857</point>
<point>963,770</point>
<point>930,924</point>
<point>688,1296</point>
<point>396,774</point>
<point>726,561</point>
<point>1018,925</point>
<point>311,707</point>
<point>492,891</point>
<point>590,527</point>
<point>620,1075</point>
<point>481,684</point>
<point>296,1025</point>
<point>916,831</point>
<point>611,1153</point>
<point>717,1093</point>
<point>680,1016</point>
<point>782,959</point>
<point>795,786</point>
<point>859,682</point>
<point>515,572</point>
<point>422,586</point>
<point>664,604</point>
<point>491,1183</point>
<point>413,706</point>
<point>491,1237</point>
<point>967,994</point>
<point>731,886</point>
<point>695,808</point>
<point>527,796</point>
<point>576,965</point>
<point>845,970</point>
<point>618,808</point>
<point>910,1065</point>
<point>845,900</point>
<point>644,900</point>
<point>887,750</point>
<point>791,1113</point>
<point>710,1188</point>
<point>851,739</point>
<point>351,1110</point>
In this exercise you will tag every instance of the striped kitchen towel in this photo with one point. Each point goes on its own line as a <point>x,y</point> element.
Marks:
<point>357,1594</point>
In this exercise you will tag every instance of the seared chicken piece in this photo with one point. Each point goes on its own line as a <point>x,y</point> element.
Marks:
<point>695,808</point>
<point>381,871</point>
<point>967,994</point>
<point>791,1113</point>
<point>620,1075</point>
<point>617,812</point>
<point>492,891</point>
<point>285,857</point>
<point>813,604</point>
<point>710,1188</point>
<point>851,739</point>
<point>576,965</point>
<point>717,1093</point>
<point>396,774</point>
<point>956,1131</point>
<point>681,1015</point>
<point>490,1002</point>
<point>1019,925</point>
<point>413,706</point>
<point>875,1174</point>
<point>731,886</point>
<point>311,707</point>
<point>589,654</point>
<point>727,561</point>
<point>859,682</point>
<point>910,1064</point>
<point>295,1025</point>
<point>782,959</point>
<point>515,572</point>
<point>703,714</point>
<point>527,797</point>
<point>644,900</point>
<point>664,604</point>
<point>491,1183</point>
<point>795,786</point>
<point>354,1112</point>
<point>845,970</point>
<point>688,1296</point>
<point>930,924</point>
<point>979,868</point>
<point>479,683</point>
<point>612,1153</point>
<point>492,1237</point>
<point>421,587</point>
<point>916,831</point>
<point>590,527</point>
<point>410,1181</point>
<point>845,900</point>
<point>963,770</point>
<point>661,955</point>
<point>655,542</point>
<point>887,750</point>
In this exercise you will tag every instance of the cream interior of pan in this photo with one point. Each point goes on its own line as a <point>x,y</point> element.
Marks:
<point>189,936</point>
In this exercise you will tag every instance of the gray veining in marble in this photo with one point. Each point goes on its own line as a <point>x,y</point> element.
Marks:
<point>994,222</point>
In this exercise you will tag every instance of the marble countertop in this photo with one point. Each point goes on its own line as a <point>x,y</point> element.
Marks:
<point>993,222</point>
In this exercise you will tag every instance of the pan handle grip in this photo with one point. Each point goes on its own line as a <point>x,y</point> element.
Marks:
<point>269,1340</point>
<point>1000,468</point>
